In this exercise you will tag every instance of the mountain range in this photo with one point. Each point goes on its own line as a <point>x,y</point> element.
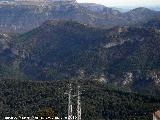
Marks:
<point>22,16</point>
<point>124,57</point>
<point>114,56</point>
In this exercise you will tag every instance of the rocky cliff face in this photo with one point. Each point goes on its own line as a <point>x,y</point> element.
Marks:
<point>128,79</point>
<point>155,76</point>
<point>4,42</point>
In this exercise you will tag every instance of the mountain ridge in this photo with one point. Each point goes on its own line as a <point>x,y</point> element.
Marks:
<point>58,49</point>
<point>14,21</point>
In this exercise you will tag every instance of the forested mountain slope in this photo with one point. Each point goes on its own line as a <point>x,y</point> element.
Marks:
<point>121,56</point>
<point>27,98</point>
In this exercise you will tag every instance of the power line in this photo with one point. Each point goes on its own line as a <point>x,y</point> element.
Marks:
<point>70,104</point>
<point>70,109</point>
<point>79,104</point>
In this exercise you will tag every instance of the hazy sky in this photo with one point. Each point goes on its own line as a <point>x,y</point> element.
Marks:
<point>140,3</point>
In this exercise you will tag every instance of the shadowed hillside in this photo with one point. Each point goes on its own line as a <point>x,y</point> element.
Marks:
<point>125,57</point>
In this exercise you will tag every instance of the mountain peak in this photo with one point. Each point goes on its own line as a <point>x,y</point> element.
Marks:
<point>142,12</point>
<point>141,9</point>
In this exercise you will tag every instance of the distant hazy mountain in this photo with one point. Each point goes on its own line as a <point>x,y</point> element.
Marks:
<point>93,7</point>
<point>100,8</point>
<point>21,16</point>
<point>121,9</point>
<point>141,15</point>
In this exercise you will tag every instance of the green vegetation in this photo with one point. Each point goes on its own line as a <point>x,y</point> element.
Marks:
<point>29,98</point>
<point>57,49</point>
